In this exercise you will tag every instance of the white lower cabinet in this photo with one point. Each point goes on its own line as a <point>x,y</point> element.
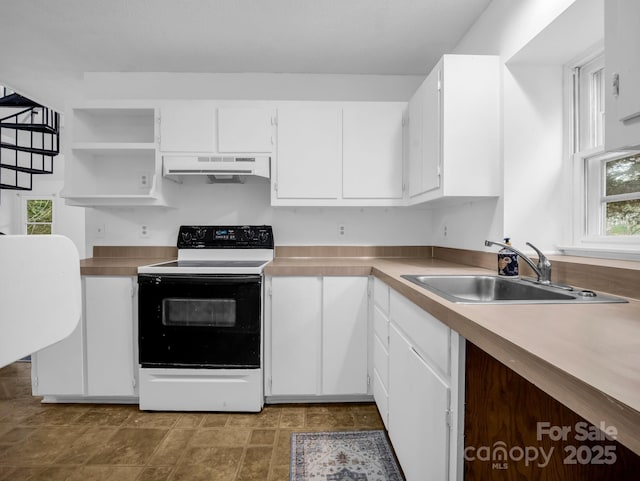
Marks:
<point>316,336</point>
<point>418,412</point>
<point>380,359</point>
<point>425,389</point>
<point>110,336</point>
<point>99,359</point>
<point>58,370</point>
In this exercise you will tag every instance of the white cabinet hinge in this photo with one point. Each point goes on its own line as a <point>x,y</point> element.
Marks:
<point>439,85</point>
<point>274,120</point>
<point>35,381</point>
<point>449,418</point>
<point>404,187</point>
<point>403,121</point>
<point>134,383</point>
<point>269,292</point>
<point>615,84</point>
<point>275,186</point>
<point>368,380</point>
<point>369,292</point>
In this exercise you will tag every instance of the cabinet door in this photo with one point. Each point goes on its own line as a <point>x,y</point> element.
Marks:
<point>424,135</point>
<point>296,309</point>
<point>622,58</point>
<point>110,336</point>
<point>431,132</point>
<point>628,38</point>
<point>418,413</point>
<point>344,335</point>
<point>416,105</point>
<point>244,130</point>
<point>187,127</point>
<point>309,153</point>
<point>372,151</point>
<point>58,370</point>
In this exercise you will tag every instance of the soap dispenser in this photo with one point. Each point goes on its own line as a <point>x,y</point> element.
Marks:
<point>507,261</point>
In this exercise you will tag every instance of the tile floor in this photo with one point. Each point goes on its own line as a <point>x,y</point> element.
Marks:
<point>89,442</point>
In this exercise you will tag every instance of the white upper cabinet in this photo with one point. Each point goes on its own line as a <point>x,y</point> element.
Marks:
<point>111,156</point>
<point>339,154</point>
<point>622,67</point>
<point>454,130</point>
<point>309,154</point>
<point>424,134</point>
<point>372,151</point>
<point>216,128</point>
<point>245,130</point>
<point>187,127</point>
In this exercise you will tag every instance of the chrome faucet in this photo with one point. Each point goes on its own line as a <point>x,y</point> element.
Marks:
<point>542,269</point>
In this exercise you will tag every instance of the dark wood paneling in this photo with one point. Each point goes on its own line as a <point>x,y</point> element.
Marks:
<point>504,409</point>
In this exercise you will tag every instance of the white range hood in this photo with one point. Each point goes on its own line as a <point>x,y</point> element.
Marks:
<point>229,169</point>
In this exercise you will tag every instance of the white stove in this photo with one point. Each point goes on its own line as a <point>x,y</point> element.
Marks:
<point>218,250</point>
<point>200,321</point>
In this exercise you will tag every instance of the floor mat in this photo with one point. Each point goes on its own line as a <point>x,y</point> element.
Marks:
<point>343,456</point>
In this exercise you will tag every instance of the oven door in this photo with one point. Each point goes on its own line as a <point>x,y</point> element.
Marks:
<point>199,320</point>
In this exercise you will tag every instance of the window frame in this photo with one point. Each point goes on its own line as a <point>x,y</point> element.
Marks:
<point>24,221</point>
<point>588,237</point>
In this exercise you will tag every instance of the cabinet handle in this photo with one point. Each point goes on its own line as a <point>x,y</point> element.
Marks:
<point>615,84</point>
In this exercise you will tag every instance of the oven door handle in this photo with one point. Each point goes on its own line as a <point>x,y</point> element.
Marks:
<point>212,279</point>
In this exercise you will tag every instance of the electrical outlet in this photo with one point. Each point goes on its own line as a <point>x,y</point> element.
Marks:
<point>100,230</point>
<point>143,180</point>
<point>144,231</point>
<point>341,230</point>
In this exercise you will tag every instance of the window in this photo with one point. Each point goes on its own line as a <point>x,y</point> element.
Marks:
<point>608,183</point>
<point>37,215</point>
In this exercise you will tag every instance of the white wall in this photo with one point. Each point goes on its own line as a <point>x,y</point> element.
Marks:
<point>536,201</point>
<point>200,203</point>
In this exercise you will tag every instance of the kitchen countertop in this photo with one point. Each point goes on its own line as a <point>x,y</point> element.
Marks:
<point>585,356</point>
<point>124,260</point>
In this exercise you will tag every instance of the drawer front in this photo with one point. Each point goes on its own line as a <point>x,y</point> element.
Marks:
<point>381,360</point>
<point>427,334</point>
<point>381,398</point>
<point>381,326</point>
<point>381,295</point>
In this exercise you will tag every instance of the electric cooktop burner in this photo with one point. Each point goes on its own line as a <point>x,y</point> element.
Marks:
<point>208,249</point>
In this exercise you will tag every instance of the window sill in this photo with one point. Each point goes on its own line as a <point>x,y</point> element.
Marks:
<point>621,252</point>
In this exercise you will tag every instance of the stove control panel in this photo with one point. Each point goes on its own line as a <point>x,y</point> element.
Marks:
<point>225,237</point>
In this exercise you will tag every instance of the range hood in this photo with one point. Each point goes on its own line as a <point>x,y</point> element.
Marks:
<point>217,169</point>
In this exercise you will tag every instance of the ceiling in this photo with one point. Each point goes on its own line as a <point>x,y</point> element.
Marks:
<point>43,42</point>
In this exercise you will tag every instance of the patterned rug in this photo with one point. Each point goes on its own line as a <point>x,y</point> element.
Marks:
<point>343,456</point>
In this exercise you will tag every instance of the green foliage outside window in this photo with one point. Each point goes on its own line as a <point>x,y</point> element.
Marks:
<point>623,177</point>
<point>39,216</point>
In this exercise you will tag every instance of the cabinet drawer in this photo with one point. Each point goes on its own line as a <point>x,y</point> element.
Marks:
<point>381,295</point>
<point>381,326</point>
<point>429,336</point>
<point>381,360</point>
<point>381,398</point>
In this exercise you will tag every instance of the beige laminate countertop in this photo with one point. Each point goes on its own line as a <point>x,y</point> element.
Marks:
<point>585,356</point>
<point>116,266</point>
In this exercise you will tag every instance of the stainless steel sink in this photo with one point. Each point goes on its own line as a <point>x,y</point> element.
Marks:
<point>484,289</point>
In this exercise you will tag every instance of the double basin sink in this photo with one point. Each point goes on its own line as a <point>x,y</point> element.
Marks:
<point>486,289</point>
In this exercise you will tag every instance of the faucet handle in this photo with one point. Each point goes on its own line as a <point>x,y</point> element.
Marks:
<point>544,264</point>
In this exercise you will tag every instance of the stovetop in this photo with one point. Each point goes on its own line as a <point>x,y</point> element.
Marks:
<point>210,249</point>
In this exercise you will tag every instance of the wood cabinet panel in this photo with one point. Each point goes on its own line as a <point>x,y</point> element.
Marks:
<point>504,409</point>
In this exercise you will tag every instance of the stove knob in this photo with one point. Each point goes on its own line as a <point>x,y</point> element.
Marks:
<point>200,233</point>
<point>263,236</point>
<point>249,234</point>
<point>186,236</point>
